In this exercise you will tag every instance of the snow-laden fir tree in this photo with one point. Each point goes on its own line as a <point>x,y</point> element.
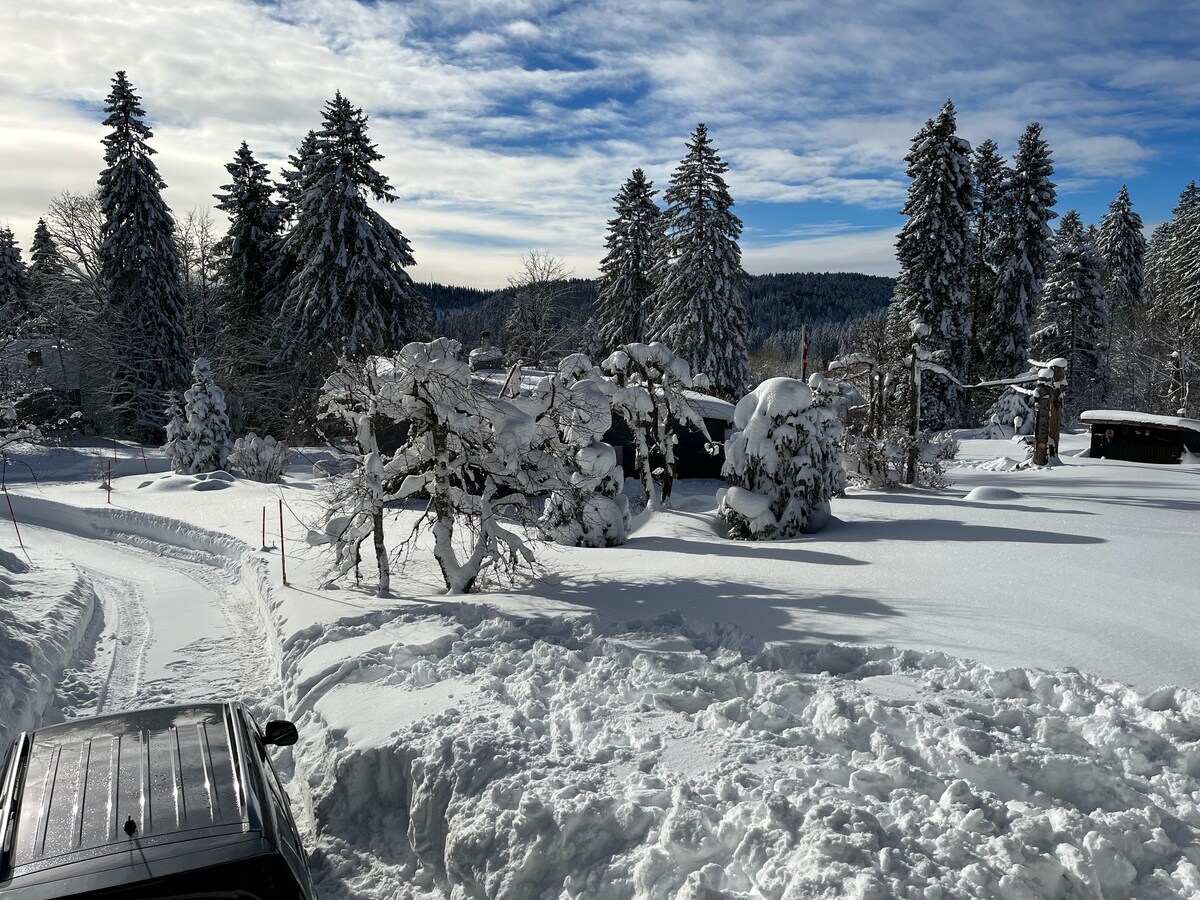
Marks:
<point>991,177</point>
<point>139,270</point>
<point>1074,317</point>
<point>698,305</point>
<point>14,286</point>
<point>1172,324</point>
<point>935,252</point>
<point>198,435</point>
<point>626,281</point>
<point>246,258</point>
<point>588,510</point>
<point>777,463</point>
<point>1024,251</point>
<point>349,295</point>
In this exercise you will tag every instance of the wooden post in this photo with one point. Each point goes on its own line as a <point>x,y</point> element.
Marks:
<point>914,407</point>
<point>264,540</point>
<point>282,555</point>
<point>145,465</point>
<point>16,527</point>
<point>108,483</point>
<point>1041,422</point>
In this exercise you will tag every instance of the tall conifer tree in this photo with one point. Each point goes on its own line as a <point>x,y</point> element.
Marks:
<point>1073,315</point>
<point>626,271</point>
<point>1024,252</point>
<point>698,307</point>
<point>991,175</point>
<point>14,286</point>
<point>1122,246</point>
<point>139,271</point>
<point>349,294</point>
<point>935,253</point>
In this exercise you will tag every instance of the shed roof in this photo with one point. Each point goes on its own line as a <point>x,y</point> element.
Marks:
<point>1128,417</point>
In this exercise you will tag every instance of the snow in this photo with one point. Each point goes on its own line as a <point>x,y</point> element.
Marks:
<point>986,691</point>
<point>1106,416</point>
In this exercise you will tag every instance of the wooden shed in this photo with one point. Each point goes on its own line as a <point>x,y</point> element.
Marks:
<point>1141,437</point>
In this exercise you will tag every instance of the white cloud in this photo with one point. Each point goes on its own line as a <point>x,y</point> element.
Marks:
<point>807,101</point>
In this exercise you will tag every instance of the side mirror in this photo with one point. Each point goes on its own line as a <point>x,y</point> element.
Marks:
<point>280,733</point>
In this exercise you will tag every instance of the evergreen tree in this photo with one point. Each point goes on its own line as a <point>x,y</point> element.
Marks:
<point>625,272</point>
<point>246,254</point>
<point>1073,314</point>
<point>198,435</point>
<point>14,286</point>
<point>1025,249</point>
<point>53,299</point>
<point>139,270</point>
<point>349,294</point>
<point>991,176</point>
<point>1172,290</point>
<point>935,252</point>
<point>698,306</point>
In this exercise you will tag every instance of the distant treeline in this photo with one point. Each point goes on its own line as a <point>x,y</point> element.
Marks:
<point>779,305</point>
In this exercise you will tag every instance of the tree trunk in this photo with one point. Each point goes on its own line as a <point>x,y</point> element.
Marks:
<point>914,416</point>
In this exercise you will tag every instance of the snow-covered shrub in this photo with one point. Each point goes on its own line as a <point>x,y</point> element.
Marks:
<point>259,458</point>
<point>778,463</point>
<point>832,396</point>
<point>881,463</point>
<point>354,506</point>
<point>589,510</point>
<point>474,456</point>
<point>198,435</point>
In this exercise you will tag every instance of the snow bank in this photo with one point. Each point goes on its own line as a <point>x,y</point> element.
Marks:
<point>45,610</point>
<point>570,758</point>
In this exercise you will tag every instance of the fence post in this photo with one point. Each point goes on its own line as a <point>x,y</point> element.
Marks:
<point>282,554</point>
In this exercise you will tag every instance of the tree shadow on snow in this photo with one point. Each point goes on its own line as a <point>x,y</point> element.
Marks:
<point>767,613</point>
<point>790,551</point>
<point>944,530</point>
<point>932,500</point>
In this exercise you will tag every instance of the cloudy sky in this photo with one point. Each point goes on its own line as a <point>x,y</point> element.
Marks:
<point>508,125</point>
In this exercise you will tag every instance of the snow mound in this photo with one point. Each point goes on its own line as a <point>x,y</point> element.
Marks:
<point>169,483</point>
<point>215,485</point>
<point>574,758</point>
<point>999,464</point>
<point>989,494</point>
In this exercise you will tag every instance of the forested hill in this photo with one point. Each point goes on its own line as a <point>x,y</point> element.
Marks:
<point>778,304</point>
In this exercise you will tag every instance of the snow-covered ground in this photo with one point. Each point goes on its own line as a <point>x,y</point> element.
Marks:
<point>891,707</point>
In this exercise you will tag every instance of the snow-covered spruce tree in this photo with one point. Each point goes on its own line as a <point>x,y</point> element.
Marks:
<point>626,283</point>
<point>1122,247</point>
<point>646,386</point>
<point>246,258</point>
<point>354,509</point>
<point>1073,316</point>
<point>201,442</point>
<point>15,314</point>
<point>832,397</point>
<point>1024,251</point>
<point>991,177</point>
<point>588,510</point>
<point>472,455</point>
<point>139,271</point>
<point>935,251</point>
<point>349,295</point>
<point>1171,336</point>
<point>776,463</point>
<point>698,305</point>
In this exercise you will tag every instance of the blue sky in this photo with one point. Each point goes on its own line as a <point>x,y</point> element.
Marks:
<point>508,125</point>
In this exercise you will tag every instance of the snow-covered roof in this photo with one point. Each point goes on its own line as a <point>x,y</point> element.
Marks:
<point>1127,417</point>
<point>709,407</point>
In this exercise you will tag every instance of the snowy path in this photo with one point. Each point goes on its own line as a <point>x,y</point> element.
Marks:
<point>173,630</point>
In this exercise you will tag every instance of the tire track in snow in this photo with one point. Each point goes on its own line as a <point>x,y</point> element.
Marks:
<point>177,628</point>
